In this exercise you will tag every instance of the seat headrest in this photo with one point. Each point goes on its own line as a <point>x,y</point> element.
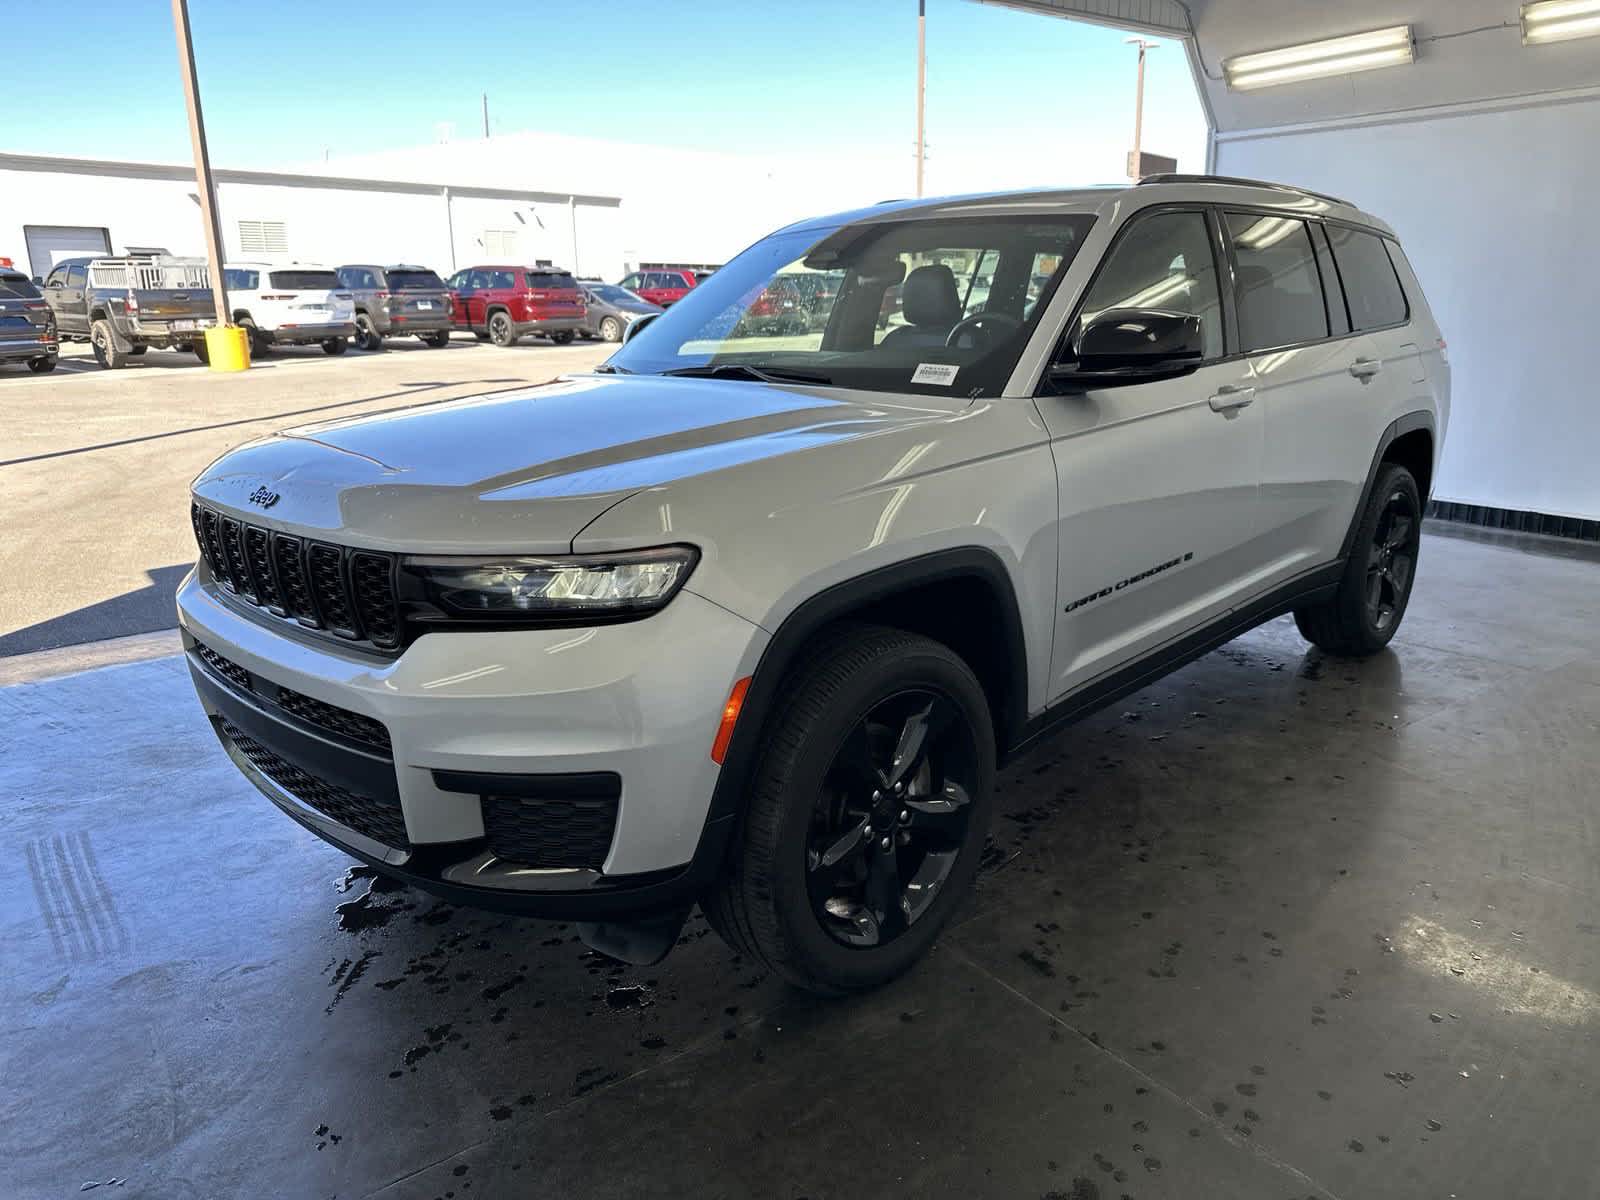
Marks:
<point>929,296</point>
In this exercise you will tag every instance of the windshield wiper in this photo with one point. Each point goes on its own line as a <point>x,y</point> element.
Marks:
<point>746,371</point>
<point>608,369</point>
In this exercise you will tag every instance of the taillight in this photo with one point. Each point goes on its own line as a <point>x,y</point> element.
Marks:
<point>132,301</point>
<point>34,304</point>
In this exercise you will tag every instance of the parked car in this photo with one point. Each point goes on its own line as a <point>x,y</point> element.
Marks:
<point>397,301</point>
<point>502,304</point>
<point>779,309</point>
<point>123,306</point>
<point>611,309</point>
<point>752,625</point>
<point>27,327</point>
<point>296,305</point>
<point>665,288</point>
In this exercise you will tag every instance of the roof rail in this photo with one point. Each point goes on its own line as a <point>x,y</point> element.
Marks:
<point>1239,182</point>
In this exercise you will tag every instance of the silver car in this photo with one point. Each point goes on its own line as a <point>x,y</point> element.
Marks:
<point>399,301</point>
<point>612,309</point>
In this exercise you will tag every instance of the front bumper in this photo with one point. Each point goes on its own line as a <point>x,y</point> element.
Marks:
<point>470,714</point>
<point>301,334</point>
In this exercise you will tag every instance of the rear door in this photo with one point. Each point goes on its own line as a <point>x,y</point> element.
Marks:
<point>417,296</point>
<point>460,288</point>
<point>1315,382</point>
<point>297,296</point>
<point>553,294</point>
<point>1158,504</point>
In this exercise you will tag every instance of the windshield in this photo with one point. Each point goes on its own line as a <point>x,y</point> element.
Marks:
<point>17,287</point>
<point>414,281</point>
<point>305,281</point>
<point>925,304</point>
<point>612,294</point>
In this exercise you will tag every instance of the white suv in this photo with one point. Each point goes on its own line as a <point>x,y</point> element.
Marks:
<point>751,621</point>
<point>292,305</point>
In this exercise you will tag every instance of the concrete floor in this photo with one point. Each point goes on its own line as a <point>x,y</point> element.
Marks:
<point>95,465</point>
<point>1278,926</point>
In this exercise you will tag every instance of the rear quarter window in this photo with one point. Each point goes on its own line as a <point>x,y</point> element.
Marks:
<point>1371,286</point>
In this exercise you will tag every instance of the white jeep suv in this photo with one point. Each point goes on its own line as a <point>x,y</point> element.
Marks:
<point>294,305</point>
<point>751,621</point>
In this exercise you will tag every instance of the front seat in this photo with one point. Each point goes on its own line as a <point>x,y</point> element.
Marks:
<point>931,305</point>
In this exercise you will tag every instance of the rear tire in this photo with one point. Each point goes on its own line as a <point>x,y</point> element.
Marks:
<point>335,345</point>
<point>437,340</point>
<point>258,340</point>
<point>563,338</point>
<point>41,366</point>
<point>611,330</point>
<point>788,900</point>
<point>366,336</point>
<point>103,340</point>
<point>501,332</point>
<point>1363,615</point>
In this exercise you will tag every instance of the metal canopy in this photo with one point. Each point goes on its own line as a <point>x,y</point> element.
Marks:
<point>1165,17</point>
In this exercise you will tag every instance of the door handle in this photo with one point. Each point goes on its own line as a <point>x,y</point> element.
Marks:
<point>1366,368</point>
<point>1230,396</point>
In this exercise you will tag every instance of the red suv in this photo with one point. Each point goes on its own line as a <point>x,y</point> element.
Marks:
<point>501,304</point>
<point>661,287</point>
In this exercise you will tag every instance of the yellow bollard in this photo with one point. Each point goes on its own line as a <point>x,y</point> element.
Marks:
<point>227,348</point>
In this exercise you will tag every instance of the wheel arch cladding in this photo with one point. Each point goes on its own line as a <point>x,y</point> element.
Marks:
<point>962,597</point>
<point>1409,439</point>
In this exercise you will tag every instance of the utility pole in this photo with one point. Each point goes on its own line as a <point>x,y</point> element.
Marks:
<point>922,82</point>
<point>486,116</point>
<point>207,189</point>
<point>1134,162</point>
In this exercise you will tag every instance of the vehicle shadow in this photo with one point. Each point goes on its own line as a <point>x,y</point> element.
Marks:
<point>146,609</point>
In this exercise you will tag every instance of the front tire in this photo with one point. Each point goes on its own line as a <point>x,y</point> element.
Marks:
<point>867,813</point>
<point>335,345</point>
<point>501,331</point>
<point>611,330</point>
<point>1371,600</point>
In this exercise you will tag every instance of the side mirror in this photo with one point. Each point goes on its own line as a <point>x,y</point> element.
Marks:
<point>1124,345</point>
<point>633,327</point>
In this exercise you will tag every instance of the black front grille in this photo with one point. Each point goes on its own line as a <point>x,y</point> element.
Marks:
<point>225,667</point>
<point>349,593</point>
<point>338,720</point>
<point>550,833</point>
<point>350,725</point>
<point>378,819</point>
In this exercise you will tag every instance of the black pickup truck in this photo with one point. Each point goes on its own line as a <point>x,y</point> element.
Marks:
<point>123,306</point>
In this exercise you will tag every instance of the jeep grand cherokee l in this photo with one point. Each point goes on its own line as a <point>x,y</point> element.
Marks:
<point>752,623</point>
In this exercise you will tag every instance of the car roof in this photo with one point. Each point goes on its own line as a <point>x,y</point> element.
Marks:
<point>1158,189</point>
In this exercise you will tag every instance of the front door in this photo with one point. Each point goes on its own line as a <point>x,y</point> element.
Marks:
<point>1158,480</point>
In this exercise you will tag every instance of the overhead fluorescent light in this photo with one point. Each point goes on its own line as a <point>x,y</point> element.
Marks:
<point>1558,20</point>
<point>1392,47</point>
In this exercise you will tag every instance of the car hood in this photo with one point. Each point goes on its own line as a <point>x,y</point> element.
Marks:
<point>525,471</point>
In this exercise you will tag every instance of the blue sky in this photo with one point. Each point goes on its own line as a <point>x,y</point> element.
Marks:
<point>284,79</point>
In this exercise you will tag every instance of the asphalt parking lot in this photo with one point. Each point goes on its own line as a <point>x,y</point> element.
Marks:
<point>95,465</point>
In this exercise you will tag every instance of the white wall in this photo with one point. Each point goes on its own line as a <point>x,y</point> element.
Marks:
<point>1496,210</point>
<point>138,212</point>
<point>333,225</point>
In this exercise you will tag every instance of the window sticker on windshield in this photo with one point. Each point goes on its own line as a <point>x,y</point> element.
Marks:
<point>938,374</point>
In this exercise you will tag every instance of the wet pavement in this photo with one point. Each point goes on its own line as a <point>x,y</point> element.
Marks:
<point>1278,926</point>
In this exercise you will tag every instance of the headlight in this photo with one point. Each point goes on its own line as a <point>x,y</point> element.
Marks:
<point>555,589</point>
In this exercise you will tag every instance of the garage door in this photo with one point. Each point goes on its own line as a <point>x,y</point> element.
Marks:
<point>49,244</point>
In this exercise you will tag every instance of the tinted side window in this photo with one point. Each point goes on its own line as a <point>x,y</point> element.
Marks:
<point>76,276</point>
<point>57,278</point>
<point>1164,261</point>
<point>502,279</point>
<point>1370,283</point>
<point>237,279</point>
<point>1278,288</point>
<point>1332,293</point>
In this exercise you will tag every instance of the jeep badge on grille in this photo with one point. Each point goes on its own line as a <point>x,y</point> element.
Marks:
<point>263,496</point>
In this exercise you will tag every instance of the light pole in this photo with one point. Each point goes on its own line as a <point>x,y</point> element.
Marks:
<point>922,81</point>
<point>1138,107</point>
<point>202,158</point>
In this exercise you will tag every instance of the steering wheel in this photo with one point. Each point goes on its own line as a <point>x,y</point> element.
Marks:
<point>990,326</point>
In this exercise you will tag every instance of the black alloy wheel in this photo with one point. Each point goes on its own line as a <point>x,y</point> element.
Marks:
<point>500,331</point>
<point>1392,559</point>
<point>892,818</point>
